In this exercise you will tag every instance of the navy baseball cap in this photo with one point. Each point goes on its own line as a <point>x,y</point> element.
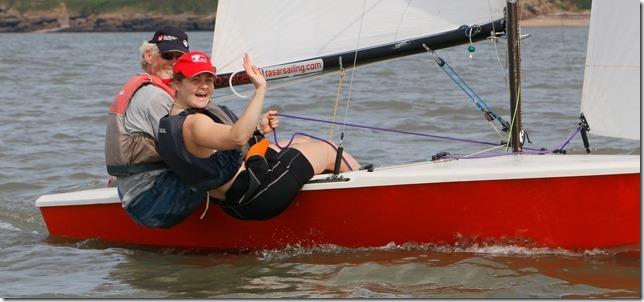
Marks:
<point>171,39</point>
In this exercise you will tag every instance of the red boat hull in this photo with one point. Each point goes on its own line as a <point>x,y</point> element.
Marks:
<point>567,212</point>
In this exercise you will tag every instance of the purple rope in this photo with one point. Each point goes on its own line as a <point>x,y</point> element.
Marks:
<point>569,138</point>
<point>526,150</point>
<point>385,129</point>
<point>311,136</point>
<point>398,131</point>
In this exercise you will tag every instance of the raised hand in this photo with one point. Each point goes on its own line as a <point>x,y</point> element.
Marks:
<point>254,74</point>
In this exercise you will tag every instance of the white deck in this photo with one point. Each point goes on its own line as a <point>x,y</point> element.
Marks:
<point>495,168</point>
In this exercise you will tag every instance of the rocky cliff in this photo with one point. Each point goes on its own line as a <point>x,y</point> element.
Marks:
<point>62,20</point>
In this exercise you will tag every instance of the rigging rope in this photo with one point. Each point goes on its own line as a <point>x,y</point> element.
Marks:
<point>563,43</point>
<point>307,135</point>
<point>482,151</point>
<point>353,71</point>
<point>402,17</point>
<point>494,40</point>
<point>570,137</point>
<point>337,98</point>
<point>469,32</point>
<point>395,131</point>
<point>473,155</point>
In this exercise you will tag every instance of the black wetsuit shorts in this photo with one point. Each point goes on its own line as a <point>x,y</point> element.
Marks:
<point>289,171</point>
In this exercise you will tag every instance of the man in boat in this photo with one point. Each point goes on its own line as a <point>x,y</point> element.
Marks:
<point>205,148</point>
<point>150,194</point>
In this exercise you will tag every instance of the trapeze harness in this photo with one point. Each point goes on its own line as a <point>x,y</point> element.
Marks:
<point>130,153</point>
<point>212,172</point>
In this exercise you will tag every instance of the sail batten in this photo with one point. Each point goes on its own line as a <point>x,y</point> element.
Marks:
<point>611,90</point>
<point>277,32</point>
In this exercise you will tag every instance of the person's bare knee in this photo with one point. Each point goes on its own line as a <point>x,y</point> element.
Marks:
<point>317,157</point>
<point>299,140</point>
<point>322,156</point>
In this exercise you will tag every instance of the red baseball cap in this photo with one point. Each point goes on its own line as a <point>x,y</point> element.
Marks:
<point>193,63</point>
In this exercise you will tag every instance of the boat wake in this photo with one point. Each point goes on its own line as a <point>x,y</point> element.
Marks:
<point>8,227</point>
<point>479,249</point>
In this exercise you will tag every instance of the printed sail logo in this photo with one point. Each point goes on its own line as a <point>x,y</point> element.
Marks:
<point>293,69</point>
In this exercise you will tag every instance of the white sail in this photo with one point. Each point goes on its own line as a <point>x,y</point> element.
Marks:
<point>611,92</point>
<point>276,32</point>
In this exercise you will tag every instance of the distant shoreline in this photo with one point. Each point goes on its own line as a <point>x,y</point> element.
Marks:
<point>142,23</point>
<point>567,20</point>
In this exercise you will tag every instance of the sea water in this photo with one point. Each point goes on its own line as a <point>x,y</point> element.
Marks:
<point>56,89</point>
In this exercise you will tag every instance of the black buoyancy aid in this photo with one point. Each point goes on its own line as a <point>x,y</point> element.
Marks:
<point>200,173</point>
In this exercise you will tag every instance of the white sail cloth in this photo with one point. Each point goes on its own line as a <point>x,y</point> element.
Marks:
<point>611,91</point>
<point>276,32</point>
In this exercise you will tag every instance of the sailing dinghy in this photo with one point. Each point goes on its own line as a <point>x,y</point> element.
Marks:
<point>568,201</point>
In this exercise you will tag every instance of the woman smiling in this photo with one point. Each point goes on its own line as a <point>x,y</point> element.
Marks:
<point>215,151</point>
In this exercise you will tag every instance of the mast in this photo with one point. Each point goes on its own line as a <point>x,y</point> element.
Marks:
<point>514,65</point>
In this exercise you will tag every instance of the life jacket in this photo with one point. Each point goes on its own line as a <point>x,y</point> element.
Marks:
<point>130,153</point>
<point>200,173</point>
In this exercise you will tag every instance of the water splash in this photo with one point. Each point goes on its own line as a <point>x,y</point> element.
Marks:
<point>293,251</point>
<point>8,226</point>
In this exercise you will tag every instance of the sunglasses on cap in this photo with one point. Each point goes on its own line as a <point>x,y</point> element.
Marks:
<point>171,55</point>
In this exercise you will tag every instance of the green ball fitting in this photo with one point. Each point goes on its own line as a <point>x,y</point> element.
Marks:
<point>471,49</point>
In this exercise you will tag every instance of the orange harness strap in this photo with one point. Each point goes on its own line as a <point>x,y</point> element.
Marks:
<point>258,148</point>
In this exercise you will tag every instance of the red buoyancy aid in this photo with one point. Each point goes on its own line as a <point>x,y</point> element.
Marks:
<point>122,99</point>
<point>130,153</point>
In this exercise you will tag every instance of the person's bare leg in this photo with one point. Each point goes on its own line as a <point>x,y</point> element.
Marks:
<point>353,162</point>
<point>322,157</point>
<point>298,140</point>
